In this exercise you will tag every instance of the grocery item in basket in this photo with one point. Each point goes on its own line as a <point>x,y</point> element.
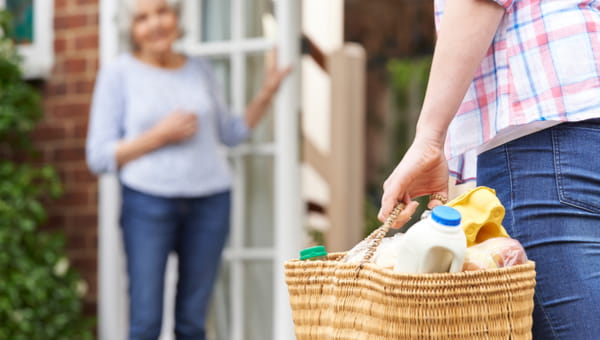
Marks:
<point>358,252</point>
<point>435,244</point>
<point>496,252</point>
<point>313,253</point>
<point>481,213</point>
<point>387,254</point>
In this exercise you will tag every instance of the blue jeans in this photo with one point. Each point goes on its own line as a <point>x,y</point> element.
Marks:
<point>153,227</point>
<point>549,183</point>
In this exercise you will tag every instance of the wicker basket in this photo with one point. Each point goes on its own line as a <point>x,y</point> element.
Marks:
<point>334,300</point>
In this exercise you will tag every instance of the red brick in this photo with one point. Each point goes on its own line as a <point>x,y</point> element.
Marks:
<point>70,21</point>
<point>56,89</point>
<point>61,137</point>
<point>60,4</point>
<point>70,110</point>
<point>84,262</point>
<point>55,222</point>
<point>80,130</point>
<point>86,2</point>
<point>93,19</point>
<point>84,221</point>
<point>60,45</point>
<point>75,65</point>
<point>77,240</point>
<point>84,86</point>
<point>46,132</point>
<point>73,153</point>
<point>79,175</point>
<point>93,64</point>
<point>74,198</point>
<point>88,41</point>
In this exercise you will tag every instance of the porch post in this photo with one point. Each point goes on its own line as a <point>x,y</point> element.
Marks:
<point>289,217</point>
<point>112,308</point>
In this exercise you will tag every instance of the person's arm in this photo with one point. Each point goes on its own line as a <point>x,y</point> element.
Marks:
<point>274,76</point>
<point>465,35</point>
<point>105,125</point>
<point>106,150</point>
<point>176,127</point>
<point>235,129</point>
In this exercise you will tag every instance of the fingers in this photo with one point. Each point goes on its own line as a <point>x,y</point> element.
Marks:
<point>406,214</point>
<point>388,201</point>
<point>437,198</point>
<point>184,124</point>
<point>272,60</point>
<point>191,125</point>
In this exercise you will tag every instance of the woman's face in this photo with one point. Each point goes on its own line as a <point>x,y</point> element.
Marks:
<point>155,26</point>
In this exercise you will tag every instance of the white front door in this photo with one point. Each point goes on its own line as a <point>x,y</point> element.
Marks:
<point>250,299</point>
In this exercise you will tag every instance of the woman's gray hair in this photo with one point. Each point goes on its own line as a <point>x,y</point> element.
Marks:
<point>125,15</point>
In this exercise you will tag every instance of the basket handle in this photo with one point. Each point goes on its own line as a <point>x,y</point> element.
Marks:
<point>378,234</point>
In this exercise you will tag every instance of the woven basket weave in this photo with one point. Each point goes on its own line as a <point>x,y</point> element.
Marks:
<point>334,300</point>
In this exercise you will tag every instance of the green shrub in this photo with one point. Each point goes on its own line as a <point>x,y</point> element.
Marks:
<point>40,295</point>
<point>408,81</point>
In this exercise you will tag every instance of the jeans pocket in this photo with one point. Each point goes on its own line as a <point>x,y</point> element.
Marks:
<point>577,165</point>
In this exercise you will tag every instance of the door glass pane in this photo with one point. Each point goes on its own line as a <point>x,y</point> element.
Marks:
<point>222,70</point>
<point>254,12</point>
<point>258,179</point>
<point>216,20</point>
<point>258,296</point>
<point>218,323</point>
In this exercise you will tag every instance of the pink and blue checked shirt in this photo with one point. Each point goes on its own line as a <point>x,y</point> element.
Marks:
<point>542,68</point>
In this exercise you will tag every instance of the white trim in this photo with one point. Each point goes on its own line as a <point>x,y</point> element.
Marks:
<point>238,68</point>
<point>226,48</point>
<point>38,58</point>
<point>112,280</point>
<point>190,18</point>
<point>288,203</point>
<point>246,254</point>
<point>265,149</point>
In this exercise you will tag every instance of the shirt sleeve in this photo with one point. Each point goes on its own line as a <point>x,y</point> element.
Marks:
<point>505,3</point>
<point>233,129</point>
<point>106,121</point>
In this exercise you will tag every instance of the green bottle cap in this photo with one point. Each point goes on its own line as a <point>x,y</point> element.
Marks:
<point>309,253</point>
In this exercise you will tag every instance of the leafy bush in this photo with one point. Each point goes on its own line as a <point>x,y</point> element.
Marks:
<point>40,295</point>
<point>408,80</point>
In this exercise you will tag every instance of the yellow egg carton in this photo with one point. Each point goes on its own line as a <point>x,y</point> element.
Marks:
<point>481,214</point>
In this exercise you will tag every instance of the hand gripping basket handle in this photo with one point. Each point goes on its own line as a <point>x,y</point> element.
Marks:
<point>378,234</point>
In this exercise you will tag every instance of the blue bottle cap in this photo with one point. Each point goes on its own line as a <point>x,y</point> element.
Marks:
<point>445,215</point>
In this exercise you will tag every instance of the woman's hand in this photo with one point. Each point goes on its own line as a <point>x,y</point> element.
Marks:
<point>274,75</point>
<point>422,171</point>
<point>176,127</point>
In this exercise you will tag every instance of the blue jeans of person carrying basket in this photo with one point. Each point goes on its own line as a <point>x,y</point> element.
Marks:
<point>549,183</point>
<point>153,227</point>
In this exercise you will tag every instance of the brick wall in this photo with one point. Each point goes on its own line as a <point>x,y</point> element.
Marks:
<point>61,135</point>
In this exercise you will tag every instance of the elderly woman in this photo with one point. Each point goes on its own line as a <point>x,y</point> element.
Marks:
<point>157,120</point>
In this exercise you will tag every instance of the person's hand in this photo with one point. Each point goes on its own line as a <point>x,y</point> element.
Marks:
<point>274,75</point>
<point>422,171</point>
<point>176,127</point>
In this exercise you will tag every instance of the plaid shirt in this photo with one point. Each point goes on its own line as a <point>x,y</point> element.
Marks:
<point>543,65</point>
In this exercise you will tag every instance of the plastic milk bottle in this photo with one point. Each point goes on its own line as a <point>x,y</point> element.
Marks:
<point>433,245</point>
